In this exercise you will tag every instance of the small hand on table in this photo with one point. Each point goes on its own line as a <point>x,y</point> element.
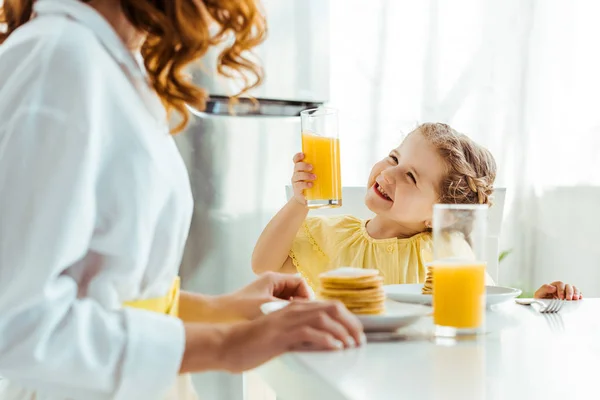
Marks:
<point>558,290</point>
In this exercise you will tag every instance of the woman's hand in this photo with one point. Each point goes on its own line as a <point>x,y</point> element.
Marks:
<point>269,286</point>
<point>558,290</point>
<point>243,304</point>
<point>302,325</point>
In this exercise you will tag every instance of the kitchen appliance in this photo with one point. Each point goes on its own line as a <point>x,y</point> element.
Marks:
<point>239,163</point>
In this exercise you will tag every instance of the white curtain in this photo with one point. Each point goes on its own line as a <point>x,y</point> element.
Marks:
<point>521,77</point>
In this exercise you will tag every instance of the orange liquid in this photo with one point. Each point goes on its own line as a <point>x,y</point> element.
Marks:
<point>458,294</point>
<point>324,155</point>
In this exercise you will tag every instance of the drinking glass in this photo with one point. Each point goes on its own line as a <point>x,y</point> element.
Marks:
<point>459,232</point>
<point>321,148</point>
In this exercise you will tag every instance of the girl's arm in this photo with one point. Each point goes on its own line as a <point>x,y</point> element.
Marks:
<point>274,244</point>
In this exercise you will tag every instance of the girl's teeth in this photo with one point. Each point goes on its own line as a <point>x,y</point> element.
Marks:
<point>383,192</point>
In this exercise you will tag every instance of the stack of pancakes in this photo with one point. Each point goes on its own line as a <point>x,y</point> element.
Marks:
<point>361,290</point>
<point>428,285</point>
<point>427,258</point>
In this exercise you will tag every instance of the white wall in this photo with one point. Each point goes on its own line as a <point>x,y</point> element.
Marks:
<point>567,241</point>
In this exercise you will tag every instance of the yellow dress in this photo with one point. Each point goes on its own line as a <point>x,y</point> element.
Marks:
<point>325,243</point>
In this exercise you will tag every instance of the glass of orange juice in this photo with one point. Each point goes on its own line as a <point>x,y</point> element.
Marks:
<point>321,148</point>
<point>459,232</point>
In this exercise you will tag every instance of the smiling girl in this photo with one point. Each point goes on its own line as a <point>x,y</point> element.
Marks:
<point>433,164</point>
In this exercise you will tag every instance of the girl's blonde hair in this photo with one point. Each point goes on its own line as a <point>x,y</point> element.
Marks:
<point>470,168</point>
<point>179,32</point>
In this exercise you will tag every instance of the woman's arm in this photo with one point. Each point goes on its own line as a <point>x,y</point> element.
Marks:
<point>52,340</point>
<point>243,304</point>
<point>195,307</point>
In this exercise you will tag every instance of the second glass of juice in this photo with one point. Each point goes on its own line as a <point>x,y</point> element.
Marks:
<point>459,232</point>
<point>321,148</point>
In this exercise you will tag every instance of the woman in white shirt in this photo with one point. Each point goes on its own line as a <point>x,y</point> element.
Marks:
<point>95,206</point>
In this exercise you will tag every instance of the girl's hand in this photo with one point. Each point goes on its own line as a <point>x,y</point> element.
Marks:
<point>302,178</point>
<point>558,290</point>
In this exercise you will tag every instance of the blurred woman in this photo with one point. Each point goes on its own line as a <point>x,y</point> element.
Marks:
<point>96,206</point>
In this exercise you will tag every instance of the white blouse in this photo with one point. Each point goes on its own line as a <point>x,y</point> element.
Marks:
<point>95,207</point>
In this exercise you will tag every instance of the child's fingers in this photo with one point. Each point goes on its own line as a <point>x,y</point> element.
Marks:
<point>569,292</point>
<point>545,291</point>
<point>576,293</point>
<point>302,185</point>
<point>560,289</point>
<point>302,166</point>
<point>303,177</point>
<point>298,157</point>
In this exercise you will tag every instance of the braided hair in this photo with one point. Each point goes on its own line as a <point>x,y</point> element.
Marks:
<point>470,170</point>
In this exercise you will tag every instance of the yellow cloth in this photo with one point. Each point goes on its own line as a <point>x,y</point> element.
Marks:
<point>167,304</point>
<point>325,243</point>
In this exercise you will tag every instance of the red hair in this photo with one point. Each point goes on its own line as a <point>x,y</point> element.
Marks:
<point>178,33</point>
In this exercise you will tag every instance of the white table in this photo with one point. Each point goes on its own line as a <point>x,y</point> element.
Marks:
<point>526,355</point>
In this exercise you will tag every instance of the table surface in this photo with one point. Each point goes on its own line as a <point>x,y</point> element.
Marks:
<point>524,355</point>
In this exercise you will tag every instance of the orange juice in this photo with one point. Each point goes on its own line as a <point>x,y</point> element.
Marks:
<point>458,293</point>
<point>323,153</point>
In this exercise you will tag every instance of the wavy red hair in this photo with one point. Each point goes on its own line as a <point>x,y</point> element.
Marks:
<point>178,33</point>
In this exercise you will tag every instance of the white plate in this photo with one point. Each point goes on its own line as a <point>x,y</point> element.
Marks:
<point>411,293</point>
<point>396,315</point>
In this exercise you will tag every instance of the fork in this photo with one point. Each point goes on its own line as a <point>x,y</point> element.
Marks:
<point>546,307</point>
<point>553,306</point>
